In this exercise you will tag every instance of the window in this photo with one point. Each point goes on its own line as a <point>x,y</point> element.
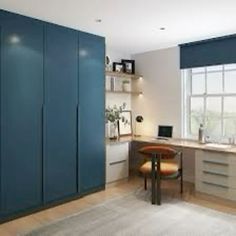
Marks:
<point>209,97</point>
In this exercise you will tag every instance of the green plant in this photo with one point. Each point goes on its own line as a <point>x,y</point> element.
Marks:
<point>126,82</point>
<point>114,114</point>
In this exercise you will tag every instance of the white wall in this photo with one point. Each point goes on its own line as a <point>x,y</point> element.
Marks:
<point>161,100</point>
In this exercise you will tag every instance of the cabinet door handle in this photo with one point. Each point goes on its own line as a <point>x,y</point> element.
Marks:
<point>215,185</point>
<point>43,147</point>
<point>77,146</point>
<point>214,173</point>
<point>78,125</point>
<point>117,162</point>
<point>43,128</point>
<point>78,118</point>
<point>216,162</point>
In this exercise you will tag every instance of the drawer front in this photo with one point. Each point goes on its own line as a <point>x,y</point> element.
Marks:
<point>215,189</point>
<point>223,169</point>
<point>217,156</point>
<point>216,162</point>
<point>117,164</point>
<point>117,152</point>
<point>117,170</point>
<point>213,177</point>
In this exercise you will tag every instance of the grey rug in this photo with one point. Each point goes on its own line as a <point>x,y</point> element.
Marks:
<point>133,215</point>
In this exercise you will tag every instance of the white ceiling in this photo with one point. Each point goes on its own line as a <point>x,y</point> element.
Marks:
<point>132,26</point>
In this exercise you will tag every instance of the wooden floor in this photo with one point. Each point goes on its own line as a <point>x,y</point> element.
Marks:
<point>33,221</point>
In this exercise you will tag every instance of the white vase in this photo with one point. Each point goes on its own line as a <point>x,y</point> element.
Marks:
<point>126,87</point>
<point>113,134</point>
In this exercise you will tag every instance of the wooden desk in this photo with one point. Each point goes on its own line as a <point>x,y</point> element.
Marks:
<point>213,170</point>
<point>182,143</point>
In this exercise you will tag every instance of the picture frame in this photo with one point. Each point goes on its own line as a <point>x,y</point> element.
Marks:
<point>118,67</point>
<point>125,129</point>
<point>129,66</point>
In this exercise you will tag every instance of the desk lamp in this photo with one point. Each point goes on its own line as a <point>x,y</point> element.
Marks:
<point>138,121</point>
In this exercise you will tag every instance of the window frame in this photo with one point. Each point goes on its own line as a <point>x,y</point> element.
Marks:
<point>186,75</point>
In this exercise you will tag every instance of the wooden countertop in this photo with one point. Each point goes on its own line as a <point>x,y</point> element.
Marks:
<point>173,142</point>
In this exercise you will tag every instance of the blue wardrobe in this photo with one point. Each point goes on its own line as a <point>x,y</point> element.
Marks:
<point>51,114</point>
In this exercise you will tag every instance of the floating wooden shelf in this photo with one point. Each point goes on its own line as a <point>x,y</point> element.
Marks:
<point>122,75</point>
<point>124,92</point>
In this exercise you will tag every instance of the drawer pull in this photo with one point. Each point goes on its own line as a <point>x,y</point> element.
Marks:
<point>117,162</point>
<point>216,162</point>
<point>214,173</point>
<point>216,185</point>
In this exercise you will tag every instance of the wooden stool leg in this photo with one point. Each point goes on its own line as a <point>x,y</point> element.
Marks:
<point>145,182</point>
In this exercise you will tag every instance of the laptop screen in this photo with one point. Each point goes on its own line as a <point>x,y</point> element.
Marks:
<point>165,131</point>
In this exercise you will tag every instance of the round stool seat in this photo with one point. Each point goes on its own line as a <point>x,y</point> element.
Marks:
<point>166,168</point>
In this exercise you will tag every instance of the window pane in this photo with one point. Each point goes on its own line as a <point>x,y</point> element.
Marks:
<point>197,106</point>
<point>195,122</point>
<point>213,107</point>
<point>213,127</point>
<point>230,81</point>
<point>230,67</point>
<point>230,106</point>
<point>198,70</point>
<point>215,68</point>
<point>198,84</point>
<point>230,127</point>
<point>214,82</point>
<point>213,116</point>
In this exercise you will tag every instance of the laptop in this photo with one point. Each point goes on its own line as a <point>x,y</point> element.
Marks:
<point>164,132</point>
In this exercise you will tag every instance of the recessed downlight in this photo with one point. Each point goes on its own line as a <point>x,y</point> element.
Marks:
<point>162,28</point>
<point>98,20</point>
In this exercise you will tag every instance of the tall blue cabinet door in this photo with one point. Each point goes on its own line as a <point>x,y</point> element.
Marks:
<point>91,113</point>
<point>21,113</point>
<point>60,112</point>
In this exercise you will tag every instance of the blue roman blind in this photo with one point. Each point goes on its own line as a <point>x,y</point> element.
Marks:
<point>209,52</point>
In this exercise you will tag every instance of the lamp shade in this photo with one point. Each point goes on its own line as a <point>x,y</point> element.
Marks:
<point>139,119</point>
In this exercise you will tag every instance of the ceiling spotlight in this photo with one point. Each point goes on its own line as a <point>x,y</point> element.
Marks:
<point>162,28</point>
<point>98,20</point>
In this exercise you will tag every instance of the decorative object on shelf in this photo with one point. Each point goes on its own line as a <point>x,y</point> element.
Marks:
<point>108,63</point>
<point>118,84</point>
<point>113,115</point>
<point>126,86</point>
<point>112,84</point>
<point>125,123</point>
<point>109,84</point>
<point>138,121</point>
<point>118,67</point>
<point>129,66</point>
